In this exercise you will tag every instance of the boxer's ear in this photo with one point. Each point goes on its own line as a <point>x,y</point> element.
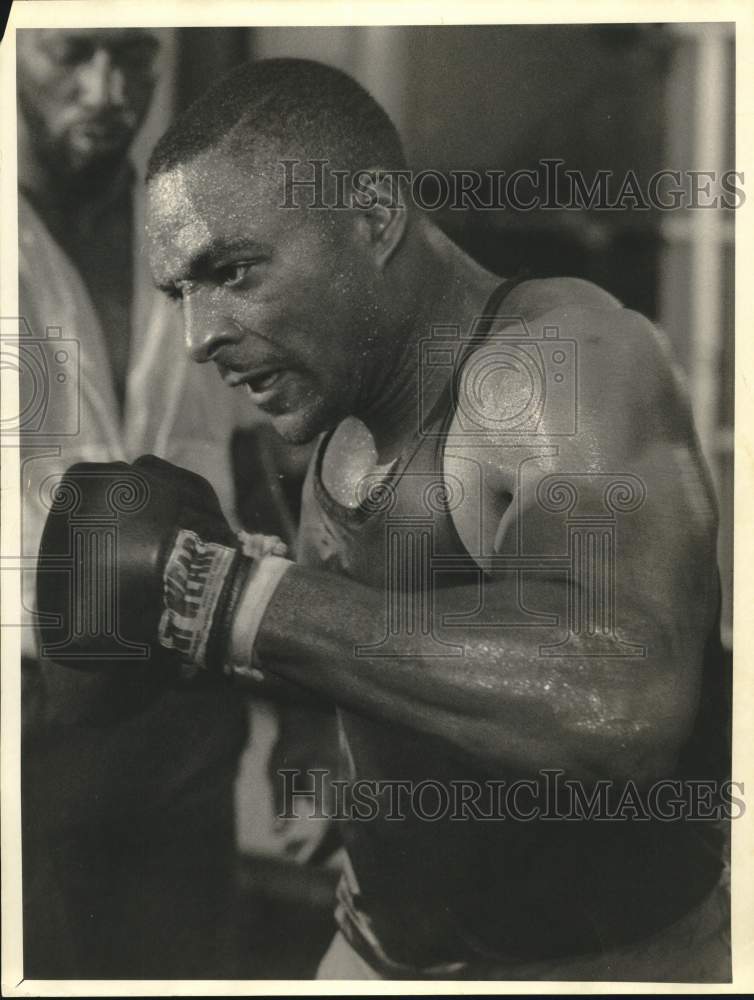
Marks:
<point>379,198</point>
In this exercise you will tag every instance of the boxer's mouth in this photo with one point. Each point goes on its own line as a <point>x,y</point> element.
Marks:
<point>263,387</point>
<point>255,382</point>
<point>261,383</point>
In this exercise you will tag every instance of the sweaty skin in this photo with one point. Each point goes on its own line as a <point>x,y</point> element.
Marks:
<point>503,704</point>
<point>321,318</point>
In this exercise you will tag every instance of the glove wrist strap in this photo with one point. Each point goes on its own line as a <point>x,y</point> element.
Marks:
<point>261,584</point>
<point>218,645</point>
<point>194,580</point>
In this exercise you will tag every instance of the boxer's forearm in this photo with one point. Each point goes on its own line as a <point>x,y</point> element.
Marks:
<point>185,587</point>
<point>499,702</point>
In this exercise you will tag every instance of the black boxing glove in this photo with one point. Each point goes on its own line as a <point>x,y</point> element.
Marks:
<point>139,560</point>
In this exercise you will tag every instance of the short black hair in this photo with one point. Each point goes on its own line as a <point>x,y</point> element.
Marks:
<point>300,106</point>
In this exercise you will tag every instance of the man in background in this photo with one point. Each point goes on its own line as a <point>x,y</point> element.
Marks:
<point>112,770</point>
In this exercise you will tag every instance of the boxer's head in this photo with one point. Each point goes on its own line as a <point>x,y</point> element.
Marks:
<point>298,303</point>
<point>83,93</point>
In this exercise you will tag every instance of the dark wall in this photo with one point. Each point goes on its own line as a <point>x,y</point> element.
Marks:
<point>505,98</point>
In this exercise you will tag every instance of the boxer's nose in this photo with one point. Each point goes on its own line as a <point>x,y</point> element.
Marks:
<point>206,329</point>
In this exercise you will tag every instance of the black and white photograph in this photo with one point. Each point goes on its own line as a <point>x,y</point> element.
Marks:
<point>369,452</point>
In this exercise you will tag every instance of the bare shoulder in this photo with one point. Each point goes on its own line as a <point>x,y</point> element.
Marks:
<point>579,387</point>
<point>578,372</point>
<point>542,294</point>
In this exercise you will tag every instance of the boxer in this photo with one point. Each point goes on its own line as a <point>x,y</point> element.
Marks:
<point>468,428</point>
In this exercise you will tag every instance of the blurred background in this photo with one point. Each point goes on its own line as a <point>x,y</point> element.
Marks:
<point>618,98</point>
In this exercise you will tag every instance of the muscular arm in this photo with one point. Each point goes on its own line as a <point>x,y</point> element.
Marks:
<point>503,702</point>
<point>496,704</point>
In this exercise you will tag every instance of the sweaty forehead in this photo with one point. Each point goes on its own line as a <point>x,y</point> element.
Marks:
<point>210,198</point>
<point>173,203</point>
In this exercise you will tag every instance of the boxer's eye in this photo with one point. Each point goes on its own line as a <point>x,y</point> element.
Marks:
<point>233,275</point>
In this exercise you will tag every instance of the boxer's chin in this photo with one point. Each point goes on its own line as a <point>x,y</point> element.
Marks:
<point>303,425</point>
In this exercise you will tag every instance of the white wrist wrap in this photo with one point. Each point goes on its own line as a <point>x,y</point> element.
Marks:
<point>261,585</point>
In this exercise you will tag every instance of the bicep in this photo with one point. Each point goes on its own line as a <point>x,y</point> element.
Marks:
<point>592,580</point>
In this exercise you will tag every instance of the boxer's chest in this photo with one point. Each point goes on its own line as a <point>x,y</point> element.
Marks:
<point>349,464</point>
<point>387,526</point>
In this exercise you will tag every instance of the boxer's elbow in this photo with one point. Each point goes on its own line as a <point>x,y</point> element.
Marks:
<point>614,749</point>
<point>619,750</point>
<point>628,736</point>
<point>623,728</point>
